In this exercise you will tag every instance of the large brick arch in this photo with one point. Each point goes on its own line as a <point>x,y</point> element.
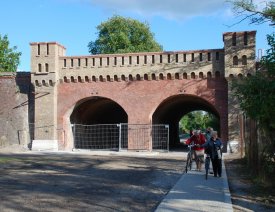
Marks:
<point>173,108</point>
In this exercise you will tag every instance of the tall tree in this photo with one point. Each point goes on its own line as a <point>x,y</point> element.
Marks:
<point>256,13</point>
<point>123,35</point>
<point>9,58</point>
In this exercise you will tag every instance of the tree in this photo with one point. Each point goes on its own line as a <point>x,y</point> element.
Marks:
<point>123,35</point>
<point>256,95</point>
<point>9,58</point>
<point>248,9</point>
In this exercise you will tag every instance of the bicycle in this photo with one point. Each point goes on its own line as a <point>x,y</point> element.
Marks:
<point>189,160</point>
<point>207,164</point>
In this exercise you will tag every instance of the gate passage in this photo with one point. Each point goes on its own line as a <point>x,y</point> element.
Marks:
<point>118,136</point>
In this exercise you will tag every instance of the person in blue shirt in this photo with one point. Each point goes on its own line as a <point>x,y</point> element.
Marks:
<point>214,147</point>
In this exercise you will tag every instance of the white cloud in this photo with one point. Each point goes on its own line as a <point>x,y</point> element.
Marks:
<point>172,9</point>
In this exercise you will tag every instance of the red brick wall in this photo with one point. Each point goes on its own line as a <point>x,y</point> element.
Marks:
<point>140,99</point>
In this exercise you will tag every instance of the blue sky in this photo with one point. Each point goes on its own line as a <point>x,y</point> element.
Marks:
<point>177,24</point>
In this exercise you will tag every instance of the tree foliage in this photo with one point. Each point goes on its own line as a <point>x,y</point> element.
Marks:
<point>257,14</point>
<point>9,58</point>
<point>123,35</point>
<point>198,120</point>
<point>256,95</point>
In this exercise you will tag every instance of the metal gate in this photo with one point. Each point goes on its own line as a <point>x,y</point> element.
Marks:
<point>121,136</point>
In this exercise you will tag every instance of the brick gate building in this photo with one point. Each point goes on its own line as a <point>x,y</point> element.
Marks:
<point>136,88</point>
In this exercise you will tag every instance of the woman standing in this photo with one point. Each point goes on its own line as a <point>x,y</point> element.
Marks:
<point>214,147</point>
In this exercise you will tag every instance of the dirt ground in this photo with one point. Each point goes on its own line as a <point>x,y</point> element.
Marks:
<point>85,182</point>
<point>246,194</point>
<point>89,182</point>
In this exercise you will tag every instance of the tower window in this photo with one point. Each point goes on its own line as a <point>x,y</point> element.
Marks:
<point>39,67</point>
<point>234,39</point>
<point>235,60</point>
<point>48,49</point>
<point>217,56</point>
<point>209,56</point>
<point>47,67</point>
<point>245,38</point>
<point>38,49</point>
<point>244,60</point>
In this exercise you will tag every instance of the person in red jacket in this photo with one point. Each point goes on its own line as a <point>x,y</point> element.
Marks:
<point>197,139</point>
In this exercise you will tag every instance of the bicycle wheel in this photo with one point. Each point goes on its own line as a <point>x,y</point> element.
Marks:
<point>188,161</point>
<point>207,162</point>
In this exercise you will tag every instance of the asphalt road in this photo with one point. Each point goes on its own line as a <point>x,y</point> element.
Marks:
<point>86,182</point>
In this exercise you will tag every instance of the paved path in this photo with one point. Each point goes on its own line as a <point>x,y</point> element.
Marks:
<point>193,193</point>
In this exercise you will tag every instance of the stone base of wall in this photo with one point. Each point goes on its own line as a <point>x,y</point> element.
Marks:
<point>44,145</point>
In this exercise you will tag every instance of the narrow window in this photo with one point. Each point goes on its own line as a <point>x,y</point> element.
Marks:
<point>209,56</point>
<point>79,62</point>
<point>169,57</point>
<point>234,39</point>
<point>122,61</point>
<point>153,77</point>
<point>137,59</point>
<point>93,61</point>
<point>47,67</point>
<point>72,79</point>
<point>48,49</point>
<point>153,59</point>
<point>160,59</point>
<point>108,61</point>
<point>65,63</point>
<point>130,60</point>
<point>217,56</point>
<point>245,38</point>
<point>38,49</point>
<point>244,60</point>
<point>72,62</point>
<point>235,60</point>
<point>184,58</point>
<point>39,67</point>
<point>200,56</point>
<point>177,58</point>
<point>86,61</point>
<point>100,61</point>
<point>145,59</point>
<point>115,61</point>
<point>193,57</point>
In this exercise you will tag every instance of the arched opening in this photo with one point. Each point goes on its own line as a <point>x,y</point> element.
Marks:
<point>95,123</point>
<point>174,108</point>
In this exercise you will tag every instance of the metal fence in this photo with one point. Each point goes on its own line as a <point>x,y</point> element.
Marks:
<point>121,136</point>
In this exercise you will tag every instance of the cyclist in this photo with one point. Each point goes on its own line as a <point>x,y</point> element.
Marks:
<point>197,139</point>
<point>215,145</point>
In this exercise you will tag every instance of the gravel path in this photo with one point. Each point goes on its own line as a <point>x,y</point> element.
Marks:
<point>85,182</point>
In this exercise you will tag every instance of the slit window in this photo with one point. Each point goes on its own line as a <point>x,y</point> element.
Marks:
<point>244,60</point>
<point>93,61</point>
<point>177,58</point>
<point>79,61</point>
<point>38,49</point>
<point>153,59</point>
<point>137,59</point>
<point>65,63</point>
<point>200,56</point>
<point>209,56</point>
<point>100,61</point>
<point>234,39</point>
<point>115,61</point>
<point>48,49</point>
<point>47,67</point>
<point>193,57</point>
<point>72,62</point>
<point>245,38</point>
<point>184,58</point>
<point>169,58</point>
<point>86,61</point>
<point>108,61</point>
<point>130,60</point>
<point>160,59</point>
<point>145,59</point>
<point>235,60</point>
<point>217,56</point>
<point>39,67</point>
<point>122,61</point>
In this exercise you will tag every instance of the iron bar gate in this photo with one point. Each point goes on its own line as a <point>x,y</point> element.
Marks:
<point>121,136</point>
